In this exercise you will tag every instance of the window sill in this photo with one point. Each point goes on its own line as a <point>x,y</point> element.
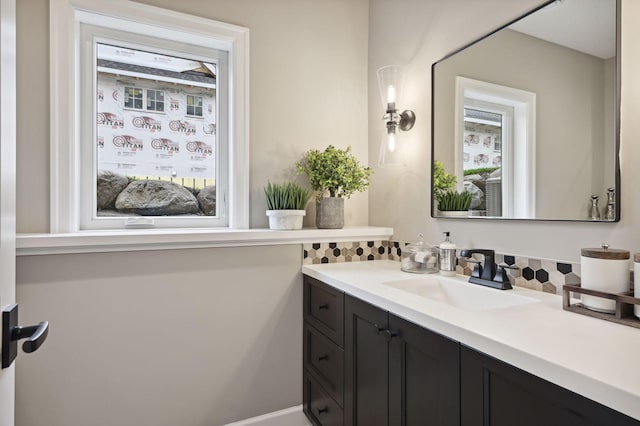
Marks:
<point>171,239</point>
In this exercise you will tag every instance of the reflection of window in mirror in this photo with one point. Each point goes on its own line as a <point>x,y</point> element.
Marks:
<point>495,148</point>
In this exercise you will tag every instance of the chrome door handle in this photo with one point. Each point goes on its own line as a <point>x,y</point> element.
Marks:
<point>12,332</point>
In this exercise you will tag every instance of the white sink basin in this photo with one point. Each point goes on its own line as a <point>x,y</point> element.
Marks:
<point>459,293</point>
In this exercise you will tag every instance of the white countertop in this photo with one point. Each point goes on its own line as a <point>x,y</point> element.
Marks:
<point>592,357</point>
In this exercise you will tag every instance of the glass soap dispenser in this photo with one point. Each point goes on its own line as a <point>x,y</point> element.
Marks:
<point>419,258</point>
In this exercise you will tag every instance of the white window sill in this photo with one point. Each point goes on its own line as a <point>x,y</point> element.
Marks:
<point>168,239</point>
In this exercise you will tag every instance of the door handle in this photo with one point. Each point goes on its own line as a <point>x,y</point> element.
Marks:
<point>12,332</point>
<point>35,335</point>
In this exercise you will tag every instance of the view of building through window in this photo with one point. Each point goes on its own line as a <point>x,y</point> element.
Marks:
<point>156,121</point>
<point>482,158</point>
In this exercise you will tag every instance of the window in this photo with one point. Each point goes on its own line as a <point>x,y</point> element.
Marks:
<point>495,148</point>
<point>132,98</point>
<point>155,100</point>
<point>122,63</point>
<point>194,105</point>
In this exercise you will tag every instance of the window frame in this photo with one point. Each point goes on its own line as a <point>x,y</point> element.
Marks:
<point>66,104</point>
<point>195,106</point>
<point>142,98</point>
<point>155,101</point>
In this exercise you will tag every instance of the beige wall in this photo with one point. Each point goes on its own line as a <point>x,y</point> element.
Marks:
<point>563,101</point>
<point>308,65</point>
<point>400,198</point>
<point>164,338</point>
<point>189,337</point>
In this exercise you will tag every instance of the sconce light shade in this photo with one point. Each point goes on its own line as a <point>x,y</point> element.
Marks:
<point>389,84</point>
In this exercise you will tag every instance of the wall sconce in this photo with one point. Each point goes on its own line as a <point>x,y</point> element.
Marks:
<point>389,82</point>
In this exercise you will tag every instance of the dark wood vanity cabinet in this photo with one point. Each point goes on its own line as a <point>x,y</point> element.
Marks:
<point>494,393</point>
<point>323,352</point>
<point>365,366</point>
<point>397,373</point>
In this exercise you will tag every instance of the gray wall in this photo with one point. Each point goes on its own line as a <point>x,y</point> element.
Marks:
<point>401,198</point>
<point>189,337</point>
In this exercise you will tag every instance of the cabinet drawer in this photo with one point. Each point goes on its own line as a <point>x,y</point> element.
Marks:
<point>319,407</point>
<point>325,360</point>
<point>324,309</point>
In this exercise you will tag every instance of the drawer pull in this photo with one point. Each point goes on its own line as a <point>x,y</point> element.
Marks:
<point>378,328</point>
<point>323,410</point>
<point>323,358</point>
<point>323,306</point>
<point>389,335</point>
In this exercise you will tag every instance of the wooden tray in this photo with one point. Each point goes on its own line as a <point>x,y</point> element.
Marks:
<point>624,305</point>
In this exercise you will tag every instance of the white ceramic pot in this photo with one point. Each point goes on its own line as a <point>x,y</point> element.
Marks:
<point>454,213</point>
<point>285,219</point>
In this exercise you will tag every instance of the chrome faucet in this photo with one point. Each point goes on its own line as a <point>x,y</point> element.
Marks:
<point>489,274</point>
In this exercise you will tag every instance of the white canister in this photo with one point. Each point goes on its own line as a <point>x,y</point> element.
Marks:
<point>607,270</point>
<point>636,282</point>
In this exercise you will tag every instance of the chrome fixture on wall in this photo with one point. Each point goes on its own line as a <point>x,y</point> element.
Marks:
<point>389,83</point>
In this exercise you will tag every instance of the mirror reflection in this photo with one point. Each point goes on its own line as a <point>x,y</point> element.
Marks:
<point>525,119</point>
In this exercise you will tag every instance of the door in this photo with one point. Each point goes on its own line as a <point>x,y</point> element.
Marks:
<point>366,364</point>
<point>493,393</point>
<point>424,376</point>
<point>7,189</point>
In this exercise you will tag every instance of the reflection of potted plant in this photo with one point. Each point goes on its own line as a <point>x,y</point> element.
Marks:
<point>286,205</point>
<point>335,172</point>
<point>454,203</point>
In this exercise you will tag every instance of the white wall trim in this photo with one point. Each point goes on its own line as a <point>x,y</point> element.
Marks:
<point>288,417</point>
<point>171,239</point>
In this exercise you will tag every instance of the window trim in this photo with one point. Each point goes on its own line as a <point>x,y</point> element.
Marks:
<point>142,99</point>
<point>195,106</point>
<point>65,19</point>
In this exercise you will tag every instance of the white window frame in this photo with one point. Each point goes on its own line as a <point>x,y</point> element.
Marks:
<point>155,101</point>
<point>520,180</point>
<point>194,106</point>
<point>66,19</point>
<point>142,99</point>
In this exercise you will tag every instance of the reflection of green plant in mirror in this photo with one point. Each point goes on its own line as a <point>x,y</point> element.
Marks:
<point>442,181</point>
<point>480,170</point>
<point>288,196</point>
<point>453,200</point>
<point>335,170</point>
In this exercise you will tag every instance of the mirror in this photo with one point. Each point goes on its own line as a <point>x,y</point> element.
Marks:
<point>527,117</point>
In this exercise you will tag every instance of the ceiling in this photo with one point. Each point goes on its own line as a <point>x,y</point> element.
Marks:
<point>588,26</point>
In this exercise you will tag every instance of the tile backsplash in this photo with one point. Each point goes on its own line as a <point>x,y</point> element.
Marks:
<point>534,273</point>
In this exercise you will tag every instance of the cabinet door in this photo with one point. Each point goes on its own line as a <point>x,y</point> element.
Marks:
<point>424,376</point>
<point>366,364</point>
<point>494,393</point>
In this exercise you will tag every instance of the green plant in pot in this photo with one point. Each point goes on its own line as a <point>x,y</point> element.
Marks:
<point>286,205</point>
<point>454,203</point>
<point>449,201</point>
<point>336,174</point>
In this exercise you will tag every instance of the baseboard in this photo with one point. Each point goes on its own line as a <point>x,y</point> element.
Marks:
<point>288,417</point>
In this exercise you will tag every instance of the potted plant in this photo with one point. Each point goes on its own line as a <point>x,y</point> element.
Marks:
<point>454,203</point>
<point>286,205</point>
<point>338,174</point>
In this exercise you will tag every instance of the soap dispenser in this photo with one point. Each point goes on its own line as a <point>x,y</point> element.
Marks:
<point>448,257</point>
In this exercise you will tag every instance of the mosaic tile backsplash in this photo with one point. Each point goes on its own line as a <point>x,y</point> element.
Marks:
<point>533,273</point>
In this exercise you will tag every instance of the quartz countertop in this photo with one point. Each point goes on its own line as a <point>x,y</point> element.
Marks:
<point>592,357</point>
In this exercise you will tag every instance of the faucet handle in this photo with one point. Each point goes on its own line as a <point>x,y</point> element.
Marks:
<point>502,276</point>
<point>507,266</point>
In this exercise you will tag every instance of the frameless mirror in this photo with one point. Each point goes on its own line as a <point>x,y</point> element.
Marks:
<point>526,119</point>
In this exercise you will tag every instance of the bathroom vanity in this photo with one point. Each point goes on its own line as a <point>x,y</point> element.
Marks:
<point>381,347</point>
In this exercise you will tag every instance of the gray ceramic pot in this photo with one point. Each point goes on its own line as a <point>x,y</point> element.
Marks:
<point>330,213</point>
